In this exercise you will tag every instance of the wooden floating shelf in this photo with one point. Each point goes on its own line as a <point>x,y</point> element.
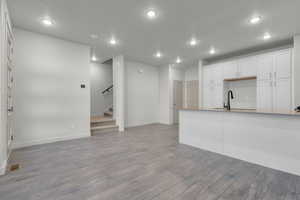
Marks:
<point>241,79</point>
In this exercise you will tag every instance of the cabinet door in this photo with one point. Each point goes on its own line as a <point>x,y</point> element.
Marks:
<point>217,75</point>
<point>265,96</point>
<point>206,97</point>
<point>218,97</point>
<point>247,66</point>
<point>282,95</point>
<point>282,64</point>
<point>207,76</point>
<point>230,69</point>
<point>265,67</point>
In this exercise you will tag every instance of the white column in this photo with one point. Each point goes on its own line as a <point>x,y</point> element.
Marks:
<point>119,91</point>
<point>200,64</point>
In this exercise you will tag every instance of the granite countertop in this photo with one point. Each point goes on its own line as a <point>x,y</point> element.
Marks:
<point>237,110</point>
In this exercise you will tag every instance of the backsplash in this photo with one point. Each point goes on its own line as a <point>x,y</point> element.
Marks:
<point>244,92</point>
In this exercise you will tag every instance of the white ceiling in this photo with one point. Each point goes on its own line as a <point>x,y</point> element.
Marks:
<point>219,23</point>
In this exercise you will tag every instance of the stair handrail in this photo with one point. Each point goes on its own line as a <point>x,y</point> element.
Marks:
<point>108,89</point>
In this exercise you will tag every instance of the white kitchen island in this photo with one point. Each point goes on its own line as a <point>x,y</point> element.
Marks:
<point>264,138</point>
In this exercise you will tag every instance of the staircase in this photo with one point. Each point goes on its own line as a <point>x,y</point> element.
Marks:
<point>109,113</point>
<point>103,125</point>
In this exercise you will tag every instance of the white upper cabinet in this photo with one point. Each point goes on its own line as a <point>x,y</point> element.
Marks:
<point>265,67</point>
<point>282,64</point>
<point>230,69</point>
<point>213,86</point>
<point>247,67</point>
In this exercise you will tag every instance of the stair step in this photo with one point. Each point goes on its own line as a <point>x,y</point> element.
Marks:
<point>103,123</point>
<point>108,113</point>
<point>103,127</point>
<point>102,120</point>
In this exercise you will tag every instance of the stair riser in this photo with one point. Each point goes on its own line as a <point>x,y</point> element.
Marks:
<point>103,123</point>
<point>108,114</point>
<point>108,130</point>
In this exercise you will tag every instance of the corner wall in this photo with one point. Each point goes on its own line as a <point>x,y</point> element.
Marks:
<point>141,94</point>
<point>50,104</point>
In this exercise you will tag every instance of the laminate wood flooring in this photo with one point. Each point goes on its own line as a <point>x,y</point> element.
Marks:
<point>143,163</point>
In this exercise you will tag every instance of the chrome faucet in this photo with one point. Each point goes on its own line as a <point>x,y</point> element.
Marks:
<point>229,96</point>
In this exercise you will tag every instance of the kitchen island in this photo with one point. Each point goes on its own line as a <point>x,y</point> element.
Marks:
<point>265,138</point>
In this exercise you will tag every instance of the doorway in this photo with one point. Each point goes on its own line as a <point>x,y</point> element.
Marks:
<point>102,97</point>
<point>177,99</point>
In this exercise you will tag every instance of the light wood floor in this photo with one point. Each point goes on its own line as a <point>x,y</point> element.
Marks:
<point>143,163</point>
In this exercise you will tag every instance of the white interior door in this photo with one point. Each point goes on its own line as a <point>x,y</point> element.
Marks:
<point>177,99</point>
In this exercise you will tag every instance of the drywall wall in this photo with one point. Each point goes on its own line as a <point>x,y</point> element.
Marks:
<point>141,94</point>
<point>101,78</point>
<point>296,71</point>
<point>164,95</point>
<point>50,104</point>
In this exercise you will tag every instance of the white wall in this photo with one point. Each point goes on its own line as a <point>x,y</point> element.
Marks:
<point>141,94</point>
<point>164,95</point>
<point>101,77</point>
<point>296,70</point>
<point>244,93</point>
<point>50,105</point>
<point>5,147</point>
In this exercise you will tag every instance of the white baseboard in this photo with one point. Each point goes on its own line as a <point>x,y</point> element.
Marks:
<point>18,145</point>
<point>3,168</point>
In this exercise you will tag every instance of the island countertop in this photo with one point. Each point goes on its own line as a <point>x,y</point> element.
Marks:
<point>237,110</point>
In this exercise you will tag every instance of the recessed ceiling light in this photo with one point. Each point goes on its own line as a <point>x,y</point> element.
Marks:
<point>158,54</point>
<point>94,58</point>
<point>178,60</point>
<point>267,36</point>
<point>255,20</point>
<point>193,42</point>
<point>113,41</point>
<point>151,14</point>
<point>47,21</point>
<point>94,36</point>
<point>212,51</point>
